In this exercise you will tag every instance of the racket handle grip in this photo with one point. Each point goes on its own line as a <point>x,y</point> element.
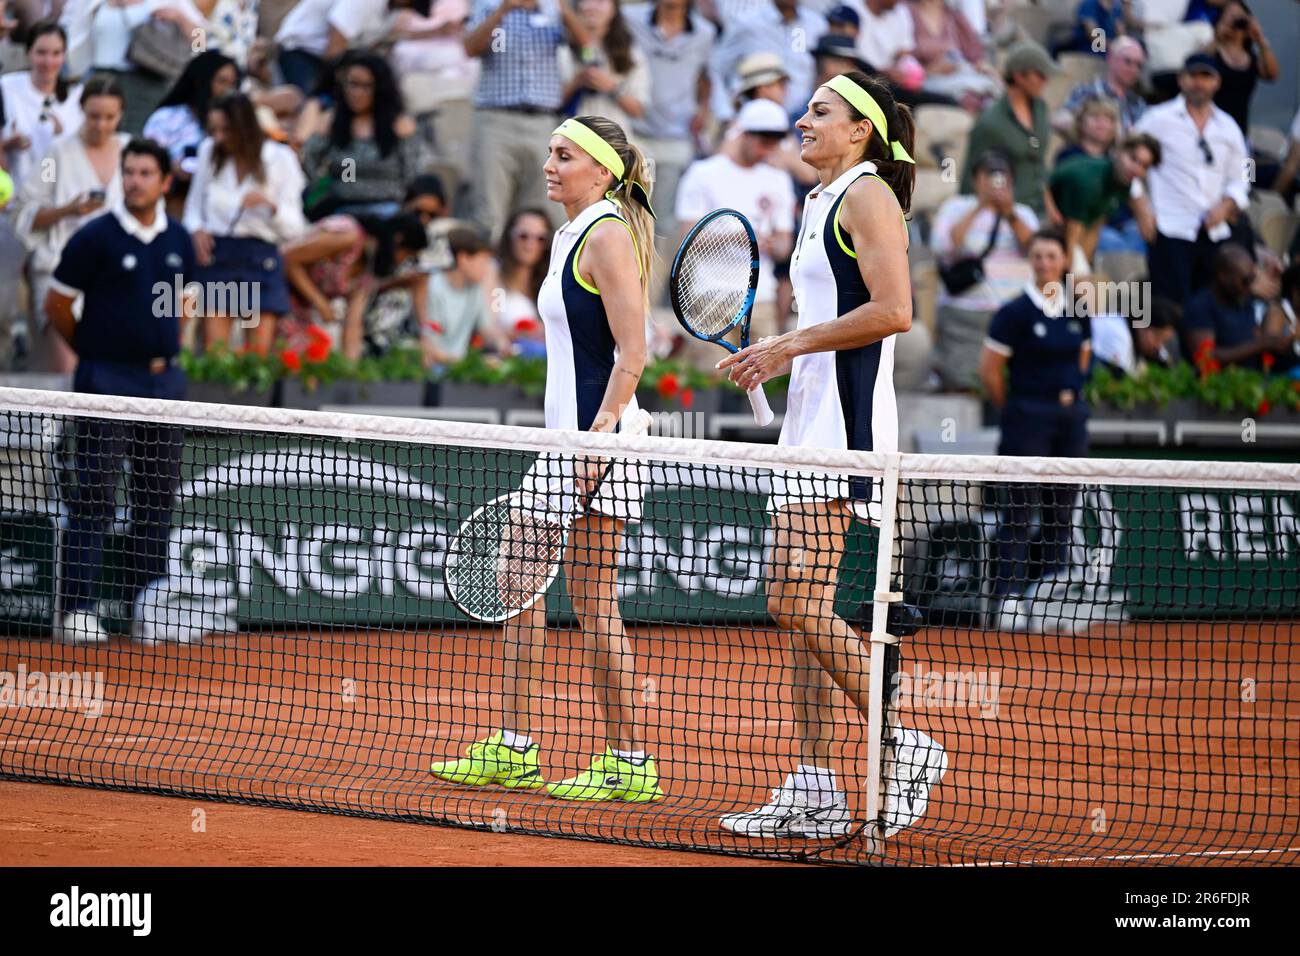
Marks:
<point>758,402</point>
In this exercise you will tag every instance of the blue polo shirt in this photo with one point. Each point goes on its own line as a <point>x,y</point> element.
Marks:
<point>1041,345</point>
<point>1231,325</point>
<point>122,268</point>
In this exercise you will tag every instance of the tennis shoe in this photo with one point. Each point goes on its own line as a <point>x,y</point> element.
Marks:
<point>81,627</point>
<point>791,814</point>
<point>611,778</point>
<point>919,764</point>
<point>489,762</point>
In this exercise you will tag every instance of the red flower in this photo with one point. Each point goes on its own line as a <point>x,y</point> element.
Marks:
<point>317,352</point>
<point>433,326</point>
<point>1295,386</point>
<point>475,340</point>
<point>291,360</point>
<point>1267,360</point>
<point>687,398</point>
<point>526,326</point>
<point>668,385</point>
<point>1202,351</point>
<point>1263,409</point>
<point>317,334</point>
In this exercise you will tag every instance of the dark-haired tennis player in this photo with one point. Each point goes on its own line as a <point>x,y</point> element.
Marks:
<point>853,295</point>
<point>593,304</point>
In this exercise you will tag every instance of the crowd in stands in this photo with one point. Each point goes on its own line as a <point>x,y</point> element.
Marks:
<point>376,165</point>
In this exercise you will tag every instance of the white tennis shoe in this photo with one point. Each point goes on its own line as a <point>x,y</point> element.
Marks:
<point>790,814</point>
<point>919,763</point>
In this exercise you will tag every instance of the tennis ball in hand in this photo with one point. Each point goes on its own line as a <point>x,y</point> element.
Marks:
<point>6,188</point>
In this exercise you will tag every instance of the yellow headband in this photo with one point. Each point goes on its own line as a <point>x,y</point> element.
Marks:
<point>599,150</point>
<point>865,103</point>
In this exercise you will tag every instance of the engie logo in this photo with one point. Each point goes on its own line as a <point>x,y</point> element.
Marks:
<point>134,910</point>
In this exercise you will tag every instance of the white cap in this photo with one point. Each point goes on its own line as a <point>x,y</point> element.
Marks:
<point>762,116</point>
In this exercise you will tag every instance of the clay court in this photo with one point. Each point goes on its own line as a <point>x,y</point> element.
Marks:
<point>1135,744</point>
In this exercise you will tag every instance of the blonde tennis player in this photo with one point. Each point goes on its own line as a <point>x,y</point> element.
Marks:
<point>593,304</point>
<point>853,295</point>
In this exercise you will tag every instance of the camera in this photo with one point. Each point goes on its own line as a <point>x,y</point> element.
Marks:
<point>1241,23</point>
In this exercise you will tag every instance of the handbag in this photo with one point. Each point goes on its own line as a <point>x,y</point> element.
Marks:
<point>968,271</point>
<point>160,48</point>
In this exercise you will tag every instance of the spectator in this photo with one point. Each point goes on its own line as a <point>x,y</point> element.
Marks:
<point>364,164</point>
<point>316,31</point>
<point>1207,11</point>
<point>433,47</point>
<point>318,105</point>
<point>1098,23</point>
<point>1017,126</point>
<point>458,304</point>
<point>835,54</point>
<point>177,124</point>
<point>1089,189</point>
<point>952,55</point>
<point>1289,304</point>
<point>232,28</point>
<point>1219,322</point>
<point>36,106</point>
<point>676,42</point>
<point>1119,84</point>
<point>399,308</point>
<point>1156,342</point>
<point>523,256</point>
<point>125,345</point>
<point>964,229</point>
<point>99,37</point>
<point>518,99</point>
<point>1096,128</point>
<point>763,77</point>
<point>738,177</point>
<point>784,27</point>
<point>887,38</point>
<point>244,201</point>
<point>1285,183</point>
<point>52,209</point>
<point>1199,192</point>
<point>843,21</point>
<point>1044,351</point>
<point>612,78</point>
<point>1244,57</point>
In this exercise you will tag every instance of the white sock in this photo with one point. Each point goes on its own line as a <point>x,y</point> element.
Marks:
<point>818,783</point>
<point>634,757</point>
<point>516,742</point>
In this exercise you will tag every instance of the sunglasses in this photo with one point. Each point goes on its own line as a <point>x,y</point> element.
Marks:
<point>1205,151</point>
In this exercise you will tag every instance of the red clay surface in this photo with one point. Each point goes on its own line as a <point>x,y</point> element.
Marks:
<point>1138,743</point>
<point>43,825</point>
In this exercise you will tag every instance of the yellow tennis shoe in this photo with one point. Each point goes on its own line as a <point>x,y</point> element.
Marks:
<point>611,778</point>
<point>489,762</point>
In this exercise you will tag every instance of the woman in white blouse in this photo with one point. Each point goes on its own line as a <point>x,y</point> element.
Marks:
<point>99,36</point>
<point>610,78</point>
<point>36,106</point>
<point>87,181</point>
<point>245,200</point>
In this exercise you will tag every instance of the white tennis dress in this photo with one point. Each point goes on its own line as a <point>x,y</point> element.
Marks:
<point>580,358</point>
<point>842,399</point>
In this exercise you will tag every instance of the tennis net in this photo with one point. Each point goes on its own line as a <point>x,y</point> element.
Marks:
<point>1105,651</point>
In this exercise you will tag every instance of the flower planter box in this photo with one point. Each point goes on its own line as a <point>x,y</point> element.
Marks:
<point>220,394</point>
<point>295,394</point>
<point>469,395</point>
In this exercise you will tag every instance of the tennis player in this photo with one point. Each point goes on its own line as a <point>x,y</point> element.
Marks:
<point>853,295</point>
<point>593,304</point>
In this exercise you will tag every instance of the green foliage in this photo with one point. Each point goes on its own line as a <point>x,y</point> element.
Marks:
<point>1232,389</point>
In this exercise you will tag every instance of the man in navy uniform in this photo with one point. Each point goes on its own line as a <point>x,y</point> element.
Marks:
<point>126,343</point>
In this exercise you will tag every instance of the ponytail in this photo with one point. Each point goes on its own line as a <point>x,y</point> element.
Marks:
<point>636,170</point>
<point>900,176</point>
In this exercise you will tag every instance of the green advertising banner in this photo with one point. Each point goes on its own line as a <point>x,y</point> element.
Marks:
<point>275,533</point>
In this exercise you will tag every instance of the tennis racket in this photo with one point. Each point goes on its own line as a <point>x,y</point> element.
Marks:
<point>712,285</point>
<point>506,554</point>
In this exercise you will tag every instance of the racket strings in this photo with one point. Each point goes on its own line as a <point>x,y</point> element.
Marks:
<point>503,559</point>
<point>713,281</point>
